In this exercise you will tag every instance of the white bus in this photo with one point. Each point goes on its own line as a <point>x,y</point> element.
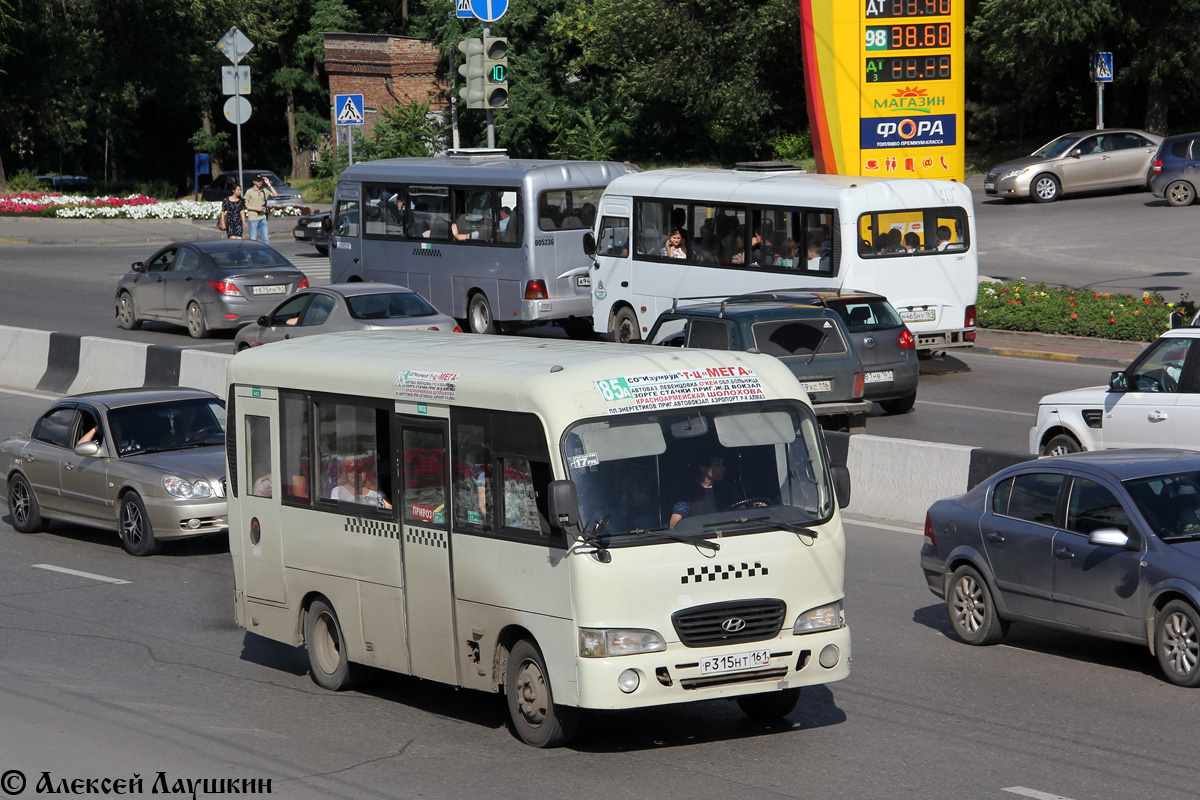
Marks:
<point>530,517</point>
<point>747,230</point>
<point>491,241</point>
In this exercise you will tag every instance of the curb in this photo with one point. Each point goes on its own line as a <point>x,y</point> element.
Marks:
<point>1100,361</point>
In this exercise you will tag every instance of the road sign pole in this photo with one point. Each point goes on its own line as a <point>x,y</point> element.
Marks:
<point>238,113</point>
<point>1099,106</point>
<point>350,136</point>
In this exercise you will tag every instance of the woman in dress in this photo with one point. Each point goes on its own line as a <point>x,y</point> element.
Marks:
<point>233,214</point>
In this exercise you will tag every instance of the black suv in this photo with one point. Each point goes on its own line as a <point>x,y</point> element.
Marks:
<point>812,341</point>
<point>1175,171</point>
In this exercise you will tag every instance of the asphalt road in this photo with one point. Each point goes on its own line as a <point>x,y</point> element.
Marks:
<point>105,680</point>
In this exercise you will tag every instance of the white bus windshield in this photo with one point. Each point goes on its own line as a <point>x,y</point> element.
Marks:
<point>692,469</point>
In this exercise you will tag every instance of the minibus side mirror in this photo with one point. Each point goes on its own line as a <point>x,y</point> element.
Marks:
<point>327,224</point>
<point>841,483</point>
<point>1117,382</point>
<point>589,244</point>
<point>563,504</point>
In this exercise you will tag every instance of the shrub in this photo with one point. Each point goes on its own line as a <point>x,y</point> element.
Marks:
<point>793,146</point>
<point>1024,306</point>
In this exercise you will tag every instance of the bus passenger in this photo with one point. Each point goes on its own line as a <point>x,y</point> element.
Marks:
<point>912,242</point>
<point>739,250</point>
<point>676,246</point>
<point>943,237</point>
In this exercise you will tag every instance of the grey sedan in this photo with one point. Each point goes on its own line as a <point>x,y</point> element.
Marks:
<point>1103,543</point>
<point>1082,161</point>
<point>345,307</point>
<point>146,463</point>
<point>206,286</point>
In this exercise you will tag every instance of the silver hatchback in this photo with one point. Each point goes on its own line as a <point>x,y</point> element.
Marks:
<point>222,284</point>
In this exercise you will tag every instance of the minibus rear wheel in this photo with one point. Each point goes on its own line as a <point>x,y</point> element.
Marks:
<point>535,717</point>
<point>327,659</point>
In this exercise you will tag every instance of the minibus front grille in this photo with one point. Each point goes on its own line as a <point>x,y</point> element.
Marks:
<point>729,623</point>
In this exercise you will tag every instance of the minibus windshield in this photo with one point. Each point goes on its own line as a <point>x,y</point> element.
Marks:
<point>691,471</point>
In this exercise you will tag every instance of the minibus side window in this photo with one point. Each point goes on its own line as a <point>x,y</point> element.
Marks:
<point>472,478</point>
<point>424,475</point>
<point>296,427</point>
<point>354,453</point>
<point>258,456</point>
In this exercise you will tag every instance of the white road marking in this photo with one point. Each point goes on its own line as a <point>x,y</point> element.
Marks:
<point>76,572</point>
<point>39,396</point>
<point>977,408</point>
<point>864,523</point>
<point>1034,793</point>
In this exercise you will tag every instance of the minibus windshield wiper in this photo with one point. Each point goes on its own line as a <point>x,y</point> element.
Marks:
<point>769,521</point>
<point>674,537</point>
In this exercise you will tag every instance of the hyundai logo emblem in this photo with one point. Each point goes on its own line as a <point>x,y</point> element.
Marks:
<point>733,625</point>
<point>869,341</point>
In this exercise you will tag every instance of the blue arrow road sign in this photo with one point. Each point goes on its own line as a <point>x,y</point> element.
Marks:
<point>348,109</point>
<point>489,10</point>
<point>1102,68</point>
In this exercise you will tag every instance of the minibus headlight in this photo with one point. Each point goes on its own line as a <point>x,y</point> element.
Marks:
<point>178,487</point>
<point>822,618</point>
<point>603,642</point>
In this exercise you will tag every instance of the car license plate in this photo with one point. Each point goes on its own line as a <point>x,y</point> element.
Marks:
<point>734,662</point>
<point>583,280</point>
<point>919,315</point>
<point>987,187</point>
<point>878,377</point>
<point>278,288</point>
<point>816,386</point>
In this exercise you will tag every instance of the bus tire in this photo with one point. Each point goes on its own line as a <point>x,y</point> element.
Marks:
<point>535,718</point>
<point>625,326</point>
<point>479,314</point>
<point>326,645</point>
<point>769,705</point>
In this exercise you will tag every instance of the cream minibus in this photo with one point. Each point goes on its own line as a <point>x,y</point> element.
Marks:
<point>576,525</point>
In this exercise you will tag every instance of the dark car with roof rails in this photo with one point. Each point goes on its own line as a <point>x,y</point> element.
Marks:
<point>885,345</point>
<point>1103,543</point>
<point>1174,172</point>
<point>812,341</point>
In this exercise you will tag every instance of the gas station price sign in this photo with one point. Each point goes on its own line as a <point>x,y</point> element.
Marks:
<point>885,86</point>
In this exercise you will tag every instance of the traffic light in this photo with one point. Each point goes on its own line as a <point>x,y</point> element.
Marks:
<point>473,72</point>
<point>495,68</point>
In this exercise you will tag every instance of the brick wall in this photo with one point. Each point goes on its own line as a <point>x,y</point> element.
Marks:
<point>385,70</point>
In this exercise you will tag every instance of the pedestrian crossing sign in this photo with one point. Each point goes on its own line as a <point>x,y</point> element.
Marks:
<point>348,109</point>
<point>463,9</point>
<point>1102,67</point>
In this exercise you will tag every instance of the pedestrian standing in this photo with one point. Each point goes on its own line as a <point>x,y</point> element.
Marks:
<point>256,208</point>
<point>233,214</point>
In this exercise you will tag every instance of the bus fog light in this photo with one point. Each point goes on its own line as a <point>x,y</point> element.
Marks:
<point>822,618</point>
<point>629,679</point>
<point>830,655</point>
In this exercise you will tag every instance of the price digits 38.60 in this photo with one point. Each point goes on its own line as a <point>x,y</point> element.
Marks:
<point>908,37</point>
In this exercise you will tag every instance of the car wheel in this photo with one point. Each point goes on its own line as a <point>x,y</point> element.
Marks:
<point>323,249</point>
<point>579,328</point>
<point>1177,643</point>
<point>197,327</point>
<point>137,534</point>
<point>126,314</point>
<point>1045,188</point>
<point>535,717</point>
<point>769,705</point>
<point>242,346</point>
<point>1180,193</point>
<point>23,506</point>
<point>901,405</point>
<point>327,659</point>
<point>1061,445</point>
<point>479,314</point>
<point>625,326</point>
<point>972,611</point>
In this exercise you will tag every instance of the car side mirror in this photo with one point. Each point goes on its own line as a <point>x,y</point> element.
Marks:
<point>87,449</point>
<point>264,321</point>
<point>589,244</point>
<point>138,266</point>
<point>1117,382</point>
<point>1108,537</point>
<point>563,504</point>
<point>327,225</point>
<point>1076,153</point>
<point>1176,319</point>
<point>841,483</point>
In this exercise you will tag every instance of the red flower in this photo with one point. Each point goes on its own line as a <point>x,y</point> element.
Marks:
<point>1113,320</point>
<point>1074,316</point>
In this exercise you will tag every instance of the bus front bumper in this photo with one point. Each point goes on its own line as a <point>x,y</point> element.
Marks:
<point>676,676</point>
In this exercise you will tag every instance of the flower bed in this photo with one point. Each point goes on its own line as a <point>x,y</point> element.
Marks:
<point>135,206</point>
<point>1023,306</point>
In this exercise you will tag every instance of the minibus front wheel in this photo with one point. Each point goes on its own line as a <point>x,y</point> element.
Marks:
<point>625,326</point>
<point>535,717</point>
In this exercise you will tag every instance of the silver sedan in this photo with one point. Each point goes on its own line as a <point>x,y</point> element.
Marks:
<point>146,463</point>
<point>345,307</point>
<point>221,284</point>
<point>1083,161</point>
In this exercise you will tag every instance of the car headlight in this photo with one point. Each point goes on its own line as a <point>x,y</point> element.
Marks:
<point>603,642</point>
<point>1012,173</point>
<point>822,618</point>
<point>178,487</point>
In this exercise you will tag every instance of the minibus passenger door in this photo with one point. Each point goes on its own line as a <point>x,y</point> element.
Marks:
<point>610,275</point>
<point>345,244</point>
<point>427,559</point>
<point>258,528</point>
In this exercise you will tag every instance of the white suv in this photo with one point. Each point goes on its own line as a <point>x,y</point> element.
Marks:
<point>1154,402</point>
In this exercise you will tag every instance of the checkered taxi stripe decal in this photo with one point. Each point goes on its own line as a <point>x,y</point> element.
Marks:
<point>372,527</point>
<point>723,572</point>
<point>435,539</point>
